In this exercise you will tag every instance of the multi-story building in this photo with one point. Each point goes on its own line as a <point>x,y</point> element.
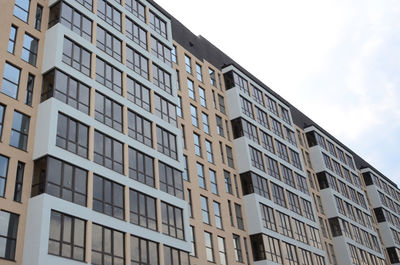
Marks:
<point>126,139</point>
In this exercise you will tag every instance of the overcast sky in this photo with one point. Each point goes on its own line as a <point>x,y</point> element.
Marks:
<point>338,61</point>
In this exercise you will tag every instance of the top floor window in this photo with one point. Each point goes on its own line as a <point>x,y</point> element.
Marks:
<point>109,14</point>
<point>136,8</point>
<point>157,24</point>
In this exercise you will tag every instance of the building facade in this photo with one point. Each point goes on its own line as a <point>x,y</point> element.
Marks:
<point>126,139</point>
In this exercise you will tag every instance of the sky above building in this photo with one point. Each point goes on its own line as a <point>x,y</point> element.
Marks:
<point>337,61</point>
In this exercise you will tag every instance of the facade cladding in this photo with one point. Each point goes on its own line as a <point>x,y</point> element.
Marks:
<point>126,139</point>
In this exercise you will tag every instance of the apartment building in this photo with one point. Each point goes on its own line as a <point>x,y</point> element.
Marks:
<point>126,139</point>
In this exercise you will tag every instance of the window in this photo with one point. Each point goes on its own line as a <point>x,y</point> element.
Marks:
<point>20,130</point>
<point>10,83</point>
<point>140,128</point>
<point>291,254</point>
<point>206,126</point>
<point>302,184</point>
<point>262,118</point>
<point>267,142</point>
<point>162,79</point>
<point>246,107</point>
<point>192,241</point>
<point>67,236</point>
<point>174,55</point>
<point>295,158</point>
<point>222,251</point>
<point>290,136</point>
<point>218,215</point>
<point>12,38</point>
<point>18,181</point>
<point>193,113</point>
<point>108,197</point>
<point>108,76</point>
<point>136,8</point>
<point>220,127</point>
<point>172,220</point>
<point>143,210</point>
<point>307,208</point>
<point>339,205</point>
<point>294,203</point>
<point>353,252</point>
<point>268,217</point>
<point>86,3</point>
<point>211,72</point>
<point>256,159</point>
<point>204,209</point>
<point>239,216</point>
<point>209,246</point>
<point>257,95</point>
<point>210,154</point>
<point>60,179</point>
<point>199,72</point>
<point>191,91</point>
<point>221,103</point>
<point>228,182</point>
<point>8,234</point>
<point>141,167</point>
<point>229,156</point>
<point>166,143</point>
<point>272,249</point>
<point>200,176</point>
<point>285,114</point>
<point>287,175</point>
<point>109,43</point>
<point>305,257</point>
<point>2,111</point>
<point>170,180</point>
<point>107,246</point>
<point>161,51</point>
<point>29,89</point>
<point>143,252</point>
<point>189,200</point>
<point>72,135</point>
<point>66,89</point>
<point>276,127</point>
<point>278,195</point>
<point>174,256</point>
<point>285,228</point>
<point>249,130</point>
<point>197,144</point>
<point>72,19</point>
<point>157,24</point>
<point>76,56</point>
<point>165,110</point>
<point>350,161</point>
<point>185,174</point>
<point>237,248</point>
<point>179,111</point>
<point>109,14</point>
<point>272,105</point>
<point>272,167</point>
<point>136,33</point>
<point>138,94</point>
<point>137,62</point>
<point>3,174</point>
<point>21,9</point>
<point>300,231</point>
<point>314,237</point>
<point>108,112</point>
<point>108,152</point>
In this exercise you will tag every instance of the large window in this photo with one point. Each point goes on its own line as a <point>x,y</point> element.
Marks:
<point>165,109</point>
<point>285,228</point>
<point>3,174</point>
<point>67,236</point>
<point>109,14</point>
<point>287,175</point>
<point>72,135</point>
<point>108,112</point>
<point>137,62</point>
<point>166,143</point>
<point>172,221</point>
<point>157,24</point>
<point>72,19</point>
<point>108,197</point>
<point>143,210</point>
<point>140,128</point>
<point>143,252</point>
<point>253,183</point>
<point>108,76</point>
<point>138,9</point>
<point>272,167</point>
<point>162,79</point>
<point>8,234</point>
<point>170,180</point>
<point>136,33</point>
<point>278,195</point>
<point>256,158</point>
<point>66,89</point>
<point>108,43</point>
<point>273,250</point>
<point>141,167</point>
<point>10,83</point>
<point>60,179</point>
<point>76,56</point>
<point>30,49</point>
<point>138,94</point>
<point>21,9</point>
<point>107,246</point>
<point>161,51</point>
<point>174,256</point>
<point>108,152</point>
<point>268,217</point>
<point>20,130</point>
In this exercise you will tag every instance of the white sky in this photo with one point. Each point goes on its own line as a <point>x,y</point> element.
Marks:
<point>337,61</point>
